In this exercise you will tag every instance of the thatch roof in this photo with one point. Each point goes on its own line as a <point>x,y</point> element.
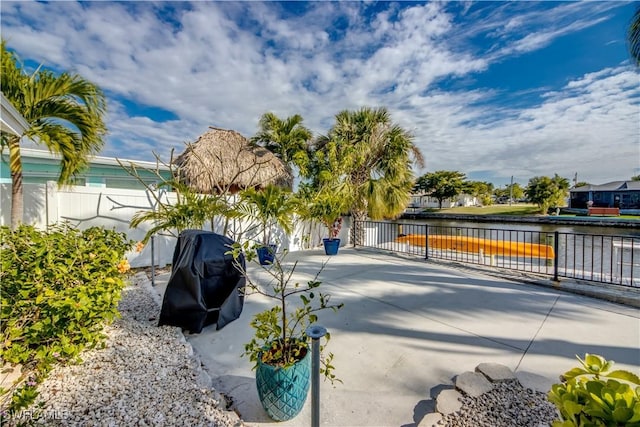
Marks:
<point>222,160</point>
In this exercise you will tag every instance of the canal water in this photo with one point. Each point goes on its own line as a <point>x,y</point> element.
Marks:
<point>600,253</point>
<point>578,228</point>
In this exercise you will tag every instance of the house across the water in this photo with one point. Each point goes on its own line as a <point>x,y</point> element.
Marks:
<point>624,195</point>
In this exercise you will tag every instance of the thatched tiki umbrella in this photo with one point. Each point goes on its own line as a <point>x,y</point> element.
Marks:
<point>222,161</point>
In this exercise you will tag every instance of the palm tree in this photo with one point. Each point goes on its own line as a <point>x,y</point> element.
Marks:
<point>269,206</point>
<point>373,156</point>
<point>633,36</point>
<point>65,113</point>
<point>288,139</point>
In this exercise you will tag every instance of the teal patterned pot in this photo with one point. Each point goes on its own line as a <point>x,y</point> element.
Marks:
<point>282,391</point>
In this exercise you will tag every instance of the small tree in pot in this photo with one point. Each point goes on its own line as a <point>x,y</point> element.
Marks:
<point>327,206</point>
<point>270,206</point>
<point>280,347</point>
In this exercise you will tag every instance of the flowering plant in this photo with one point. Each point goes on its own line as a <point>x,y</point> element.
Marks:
<point>123,266</point>
<point>334,228</point>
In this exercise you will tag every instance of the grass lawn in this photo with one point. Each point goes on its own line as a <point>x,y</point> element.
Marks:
<point>520,209</point>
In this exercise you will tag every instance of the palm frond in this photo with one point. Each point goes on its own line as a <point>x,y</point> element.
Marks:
<point>633,36</point>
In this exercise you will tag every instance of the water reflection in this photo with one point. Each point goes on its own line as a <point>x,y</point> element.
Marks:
<point>578,228</point>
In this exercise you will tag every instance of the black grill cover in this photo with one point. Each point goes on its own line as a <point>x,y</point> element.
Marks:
<point>204,287</point>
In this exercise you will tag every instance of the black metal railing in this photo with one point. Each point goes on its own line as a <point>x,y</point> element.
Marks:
<point>592,257</point>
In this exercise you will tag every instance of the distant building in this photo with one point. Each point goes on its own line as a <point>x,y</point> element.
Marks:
<point>40,166</point>
<point>422,201</point>
<point>617,194</point>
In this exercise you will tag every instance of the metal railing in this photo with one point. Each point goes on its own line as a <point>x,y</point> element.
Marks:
<point>607,259</point>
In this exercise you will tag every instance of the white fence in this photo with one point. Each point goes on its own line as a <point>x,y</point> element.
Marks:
<point>113,208</point>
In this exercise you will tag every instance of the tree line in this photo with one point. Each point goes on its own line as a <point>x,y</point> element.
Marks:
<point>544,191</point>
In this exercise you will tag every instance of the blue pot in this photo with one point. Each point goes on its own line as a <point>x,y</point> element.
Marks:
<point>331,246</point>
<point>266,254</point>
<point>283,391</point>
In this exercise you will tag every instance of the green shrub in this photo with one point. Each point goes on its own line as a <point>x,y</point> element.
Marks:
<point>593,395</point>
<point>59,288</point>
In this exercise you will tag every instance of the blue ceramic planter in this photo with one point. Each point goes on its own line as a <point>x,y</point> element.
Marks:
<point>331,246</point>
<point>266,254</point>
<point>282,391</point>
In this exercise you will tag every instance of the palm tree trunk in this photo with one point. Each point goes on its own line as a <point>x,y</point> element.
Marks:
<point>15,166</point>
<point>357,228</point>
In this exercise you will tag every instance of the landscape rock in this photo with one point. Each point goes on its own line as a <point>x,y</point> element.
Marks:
<point>473,384</point>
<point>431,420</point>
<point>495,372</point>
<point>448,401</point>
<point>534,381</point>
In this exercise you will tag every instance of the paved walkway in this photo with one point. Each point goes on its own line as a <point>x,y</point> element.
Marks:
<point>409,326</point>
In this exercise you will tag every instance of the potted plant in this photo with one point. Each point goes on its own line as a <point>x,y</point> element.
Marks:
<point>280,348</point>
<point>332,243</point>
<point>270,206</point>
<point>327,206</point>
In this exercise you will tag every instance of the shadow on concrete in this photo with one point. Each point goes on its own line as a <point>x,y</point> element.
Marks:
<point>404,317</point>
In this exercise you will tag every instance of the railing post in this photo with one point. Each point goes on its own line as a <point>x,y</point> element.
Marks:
<point>426,241</point>
<point>353,231</point>
<point>556,255</point>
<point>153,262</point>
<point>315,332</point>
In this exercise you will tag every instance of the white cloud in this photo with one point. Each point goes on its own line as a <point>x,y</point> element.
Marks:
<point>593,130</point>
<point>226,63</point>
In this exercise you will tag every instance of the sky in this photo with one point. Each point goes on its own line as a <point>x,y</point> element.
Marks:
<point>491,89</point>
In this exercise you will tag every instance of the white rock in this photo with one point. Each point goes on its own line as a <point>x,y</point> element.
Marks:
<point>146,375</point>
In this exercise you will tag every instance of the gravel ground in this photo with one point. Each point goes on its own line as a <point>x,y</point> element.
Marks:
<point>145,376</point>
<point>509,404</point>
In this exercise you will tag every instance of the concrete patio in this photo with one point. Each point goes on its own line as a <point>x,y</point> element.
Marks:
<point>409,326</point>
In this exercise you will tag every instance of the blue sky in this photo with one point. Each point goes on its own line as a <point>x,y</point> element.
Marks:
<point>491,89</point>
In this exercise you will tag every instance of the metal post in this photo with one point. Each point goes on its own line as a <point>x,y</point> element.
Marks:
<point>426,241</point>
<point>556,256</point>
<point>315,332</point>
<point>353,230</point>
<point>153,262</point>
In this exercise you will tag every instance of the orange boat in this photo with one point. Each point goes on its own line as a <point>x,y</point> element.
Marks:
<point>504,248</point>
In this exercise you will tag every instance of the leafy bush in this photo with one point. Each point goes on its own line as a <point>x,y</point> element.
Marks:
<point>593,395</point>
<point>59,287</point>
<point>280,337</point>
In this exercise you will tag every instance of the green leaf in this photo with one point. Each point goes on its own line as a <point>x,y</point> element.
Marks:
<point>594,363</point>
<point>636,413</point>
<point>624,375</point>
<point>574,373</point>
<point>622,415</point>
